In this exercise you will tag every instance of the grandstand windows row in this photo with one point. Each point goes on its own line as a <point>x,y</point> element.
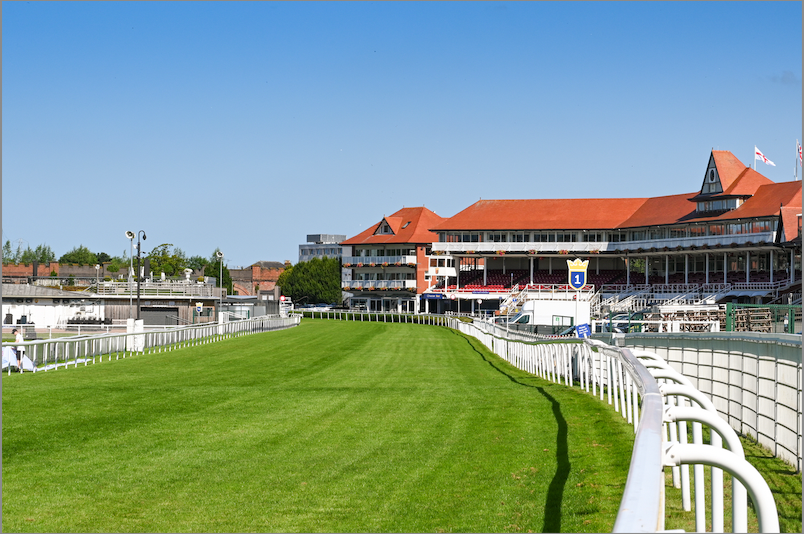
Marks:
<point>615,236</point>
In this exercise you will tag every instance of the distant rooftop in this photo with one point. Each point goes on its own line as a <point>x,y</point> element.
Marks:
<point>325,238</point>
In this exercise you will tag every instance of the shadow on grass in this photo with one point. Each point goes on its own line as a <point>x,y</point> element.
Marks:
<point>555,492</point>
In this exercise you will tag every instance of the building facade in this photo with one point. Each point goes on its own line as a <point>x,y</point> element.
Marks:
<point>738,235</point>
<point>387,263</point>
<point>321,246</point>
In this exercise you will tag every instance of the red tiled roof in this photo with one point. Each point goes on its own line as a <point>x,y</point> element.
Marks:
<point>746,183</point>
<point>767,200</point>
<point>420,219</point>
<point>661,210</point>
<point>542,214</point>
<point>728,166</point>
<point>790,221</point>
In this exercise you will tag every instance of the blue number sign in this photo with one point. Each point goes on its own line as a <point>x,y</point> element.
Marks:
<point>577,273</point>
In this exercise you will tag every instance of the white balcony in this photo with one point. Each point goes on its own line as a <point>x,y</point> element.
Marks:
<point>490,248</point>
<point>378,285</point>
<point>379,261</point>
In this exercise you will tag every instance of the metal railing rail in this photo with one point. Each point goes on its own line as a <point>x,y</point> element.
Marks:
<point>631,387</point>
<point>83,349</point>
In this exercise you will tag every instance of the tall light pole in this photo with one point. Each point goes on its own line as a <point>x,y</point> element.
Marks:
<point>139,256</point>
<point>131,236</point>
<point>219,255</point>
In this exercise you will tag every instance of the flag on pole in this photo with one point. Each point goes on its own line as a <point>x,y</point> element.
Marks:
<point>758,154</point>
<point>798,146</point>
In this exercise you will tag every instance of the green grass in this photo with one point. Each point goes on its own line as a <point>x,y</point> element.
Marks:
<point>330,426</point>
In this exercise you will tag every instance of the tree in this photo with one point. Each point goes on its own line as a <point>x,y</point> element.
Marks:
<point>44,254</point>
<point>80,255</point>
<point>197,263</point>
<point>213,267</point>
<point>314,282</point>
<point>8,253</point>
<point>28,256</point>
<point>165,261</point>
<point>117,262</point>
<point>103,257</point>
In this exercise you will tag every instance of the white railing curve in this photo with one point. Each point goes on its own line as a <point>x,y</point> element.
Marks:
<point>632,386</point>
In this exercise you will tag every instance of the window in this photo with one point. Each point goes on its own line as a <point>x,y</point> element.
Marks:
<point>520,237</point>
<point>384,229</point>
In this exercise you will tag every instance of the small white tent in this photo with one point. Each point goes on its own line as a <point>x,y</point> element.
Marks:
<point>10,359</point>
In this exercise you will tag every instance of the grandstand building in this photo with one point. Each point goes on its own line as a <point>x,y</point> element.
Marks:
<point>738,237</point>
<point>388,261</point>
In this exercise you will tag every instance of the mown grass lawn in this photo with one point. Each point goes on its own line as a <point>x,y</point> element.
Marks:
<point>327,427</point>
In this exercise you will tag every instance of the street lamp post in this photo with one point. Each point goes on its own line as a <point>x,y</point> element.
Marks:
<point>97,278</point>
<point>139,256</point>
<point>131,236</point>
<point>219,254</point>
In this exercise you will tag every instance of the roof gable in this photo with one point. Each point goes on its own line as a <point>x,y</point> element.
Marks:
<point>408,225</point>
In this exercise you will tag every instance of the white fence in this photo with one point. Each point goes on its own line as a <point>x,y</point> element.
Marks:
<point>753,379</point>
<point>655,411</point>
<point>81,350</point>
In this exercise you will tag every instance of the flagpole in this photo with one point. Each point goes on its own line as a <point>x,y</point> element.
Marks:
<point>755,157</point>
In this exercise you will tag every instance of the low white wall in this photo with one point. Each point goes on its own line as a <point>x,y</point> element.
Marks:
<point>753,379</point>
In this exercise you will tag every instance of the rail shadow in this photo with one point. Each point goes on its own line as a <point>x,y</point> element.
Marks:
<point>555,492</point>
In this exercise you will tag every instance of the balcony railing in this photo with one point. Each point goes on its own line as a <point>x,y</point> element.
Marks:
<point>379,261</point>
<point>487,248</point>
<point>378,285</point>
<point>160,289</point>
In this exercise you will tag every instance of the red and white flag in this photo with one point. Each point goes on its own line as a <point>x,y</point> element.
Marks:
<point>798,145</point>
<point>759,155</point>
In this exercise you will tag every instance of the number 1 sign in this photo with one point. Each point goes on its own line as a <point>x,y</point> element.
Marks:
<point>577,273</point>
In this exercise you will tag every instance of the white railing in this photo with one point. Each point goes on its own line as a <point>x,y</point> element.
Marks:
<point>51,354</point>
<point>632,387</point>
<point>378,261</point>
<point>370,285</point>
<point>754,380</point>
<point>160,289</point>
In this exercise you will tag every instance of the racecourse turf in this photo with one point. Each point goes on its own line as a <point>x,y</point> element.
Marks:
<point>327,427</point>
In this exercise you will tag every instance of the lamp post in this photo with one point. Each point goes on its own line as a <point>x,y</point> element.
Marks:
<point>97,278</point>
<point>131,236</point>
<point>219,255</point>
<point>139,256</point>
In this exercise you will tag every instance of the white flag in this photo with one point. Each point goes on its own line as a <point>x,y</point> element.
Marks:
<point>758,154</point>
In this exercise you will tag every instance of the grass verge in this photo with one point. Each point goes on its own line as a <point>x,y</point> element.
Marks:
<point>327,427</point>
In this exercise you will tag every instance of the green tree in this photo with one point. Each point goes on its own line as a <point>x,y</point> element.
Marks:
<point>8,253</point>
<point>197,263</point>
<point>313,282</point>
<point>213,267</point>
<point>80,255</point>
<point>164,261</point>
<point>28,256</point>
<point>118,262</point>
<point>103,257</point>
<point>44,254</point>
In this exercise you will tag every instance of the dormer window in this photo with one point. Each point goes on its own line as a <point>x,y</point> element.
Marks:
<point>718,205</point>
<point>384,228</point>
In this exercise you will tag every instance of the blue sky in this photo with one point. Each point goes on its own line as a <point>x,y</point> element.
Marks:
<point>248,125</point>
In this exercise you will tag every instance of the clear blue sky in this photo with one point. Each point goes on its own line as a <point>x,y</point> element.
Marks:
<point>247,126</point>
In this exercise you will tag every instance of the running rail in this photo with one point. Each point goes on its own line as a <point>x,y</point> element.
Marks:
<point>630,386</point>
<point>84,349</point>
